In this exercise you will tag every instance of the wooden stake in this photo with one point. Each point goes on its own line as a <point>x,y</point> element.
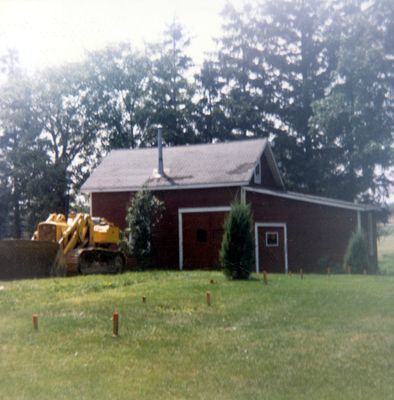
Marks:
<point>302,273</point>
<point>265,277</point>
<point>115,324</point>
<point>208,298</point>
<point>35,322</point>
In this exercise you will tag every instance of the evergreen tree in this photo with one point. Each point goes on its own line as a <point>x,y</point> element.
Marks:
<point>170,100</point>
<point>237,251</point>
<point>247,97</point>
<point>299,41</point>
<point>211,121</point>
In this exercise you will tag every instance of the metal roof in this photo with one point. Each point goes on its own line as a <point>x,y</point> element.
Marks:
<point>220,164</point>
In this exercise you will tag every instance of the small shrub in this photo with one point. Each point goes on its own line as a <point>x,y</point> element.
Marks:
<point>237,252</point>
<point>356,256</point>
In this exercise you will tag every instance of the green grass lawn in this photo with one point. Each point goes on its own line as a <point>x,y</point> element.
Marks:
<point>386,250</point>
<point>317,338</point>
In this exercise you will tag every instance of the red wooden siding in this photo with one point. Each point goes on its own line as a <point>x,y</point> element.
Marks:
<point>111,206</point>
<point>271,258</point>
<point>166,240</point>
<point>313,231</point>
<point>202,239</point>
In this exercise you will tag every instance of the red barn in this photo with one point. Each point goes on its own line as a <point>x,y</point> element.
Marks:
<point>198,184</point>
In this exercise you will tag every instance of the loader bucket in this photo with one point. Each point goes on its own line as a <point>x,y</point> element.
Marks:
<point>24,259</point>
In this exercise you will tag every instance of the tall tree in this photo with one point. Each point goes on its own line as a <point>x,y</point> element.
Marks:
<point>246,96</point>
<point>299,41</point>
<point>171,94</point>
<point>5,201</point>
<point>211,122</point>
<point>70,132</point>
<point>118,78</point>
<point>22,158</point>
<point>356,119</point>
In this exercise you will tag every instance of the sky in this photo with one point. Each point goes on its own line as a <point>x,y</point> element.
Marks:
<point>51,32</point>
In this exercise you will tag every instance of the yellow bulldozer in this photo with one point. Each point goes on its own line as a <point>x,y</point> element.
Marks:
<point>62,246</point>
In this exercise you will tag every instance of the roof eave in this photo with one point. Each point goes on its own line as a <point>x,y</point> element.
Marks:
<point>89,190</point>
<point>325,201</point>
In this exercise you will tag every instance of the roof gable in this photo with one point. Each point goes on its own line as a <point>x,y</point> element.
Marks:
<point>220,164</point>
<point>269,175</point>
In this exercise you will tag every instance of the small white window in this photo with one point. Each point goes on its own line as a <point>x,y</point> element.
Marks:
<point>271,239</point>
<point>257,173</point>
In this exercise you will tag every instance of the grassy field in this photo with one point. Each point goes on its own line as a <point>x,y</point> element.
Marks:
<point>317,338</point>
<point>386,250</point>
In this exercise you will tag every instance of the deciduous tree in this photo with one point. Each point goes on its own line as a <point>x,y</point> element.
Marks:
<point>118,84</point>
<point>355,121</point>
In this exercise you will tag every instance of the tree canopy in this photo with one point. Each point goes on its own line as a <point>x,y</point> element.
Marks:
<point>316,77</point>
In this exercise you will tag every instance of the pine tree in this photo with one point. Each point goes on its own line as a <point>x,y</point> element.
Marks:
<point>237,251</point>
<point>246,97</point>
<point>211,122</point>
<point>170,93</point>
<point>299,41</point>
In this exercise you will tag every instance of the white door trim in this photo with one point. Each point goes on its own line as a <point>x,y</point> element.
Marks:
<point>258,225</point>
<point>190,210</point>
